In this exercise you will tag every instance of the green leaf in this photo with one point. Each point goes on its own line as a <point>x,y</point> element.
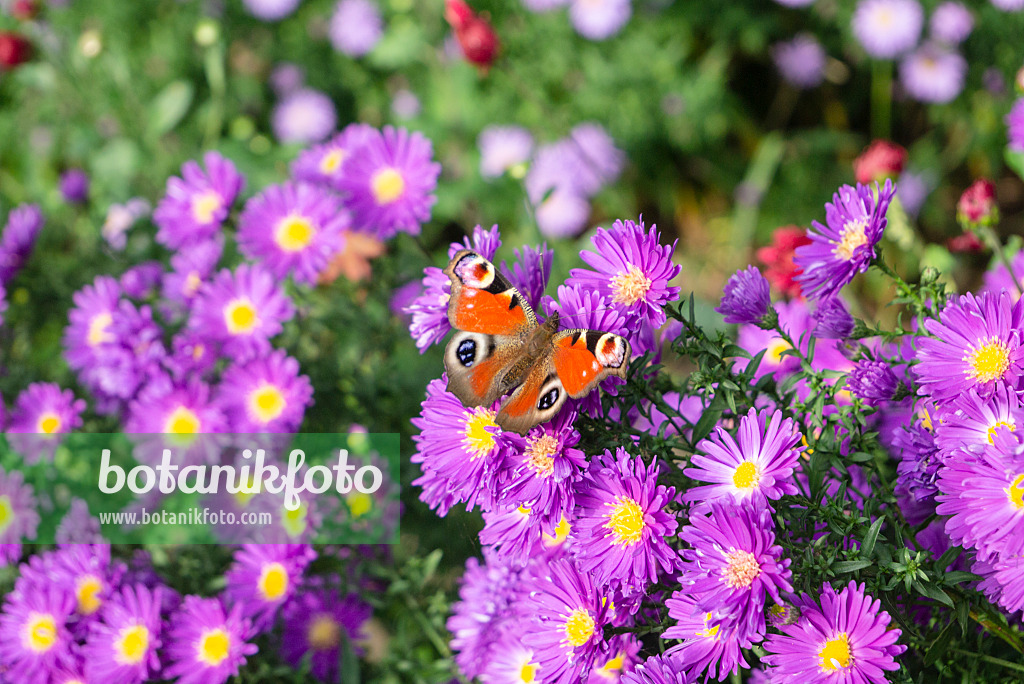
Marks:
<point>867,547</point>
<point>959,576</point>
<point>933,592</point>
<point>938,647</point>
<point>1015,160</point>
<point>169,107</point>
<point>708,420</point>
<point>843,567</point>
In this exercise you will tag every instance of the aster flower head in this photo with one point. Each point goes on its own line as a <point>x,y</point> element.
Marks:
<point>510,662</point>
<point>241,310</point>
<point>662,669</point>
<point>975,344</point>
<point>292,229</point>
<point>951,23</point>
<point>1002,581</point>
<point>599,19</point>
<point>84,570</point>
<point>632,269</point>
<point>933,74</point>
<point>1015,126</point>
<point>266,394</point>
<point>755,468</point>
<point>846,245</point>
<point>390,183</point>
<point>178,415</point>
<point>74,186</point>
<point>78,526</point>
<point>832,320</point>
<point>733,564</point>
<point>120,218</point>
<point>321,164</point>
<point>44,408</point>
<point>971,422</point>
<point>567,618</point>
<point>801,61</point>
<point>19,516</point>
<point>122,645</point>
<point>271,10</point>
<point>530,272</point>
<point>562,213</point>
<point>263,577</point>
<point>848,639</point>
<point>34,634</point>
<point>1008,5</point>
<point>622,525</point>
<point>747,298</point>
<point>18,239</point>
<point>195,205</point>
<point>710,639</point>
<point>887,28</point>
<point>206,643</point>
<point>303,116</point>
<point>873,381</point>
<point>502,148</point>
<point>356,27</point>
<point>316,623</point>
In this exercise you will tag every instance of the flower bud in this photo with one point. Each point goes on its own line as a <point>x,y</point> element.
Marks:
<point>833,321</point>
<point>24,9</point>
<point>881,160</point>
<point>977,206</point>
<point>14,50</point>
<point>965,243</point>
<point>873,381</point>
<point>477,39</point>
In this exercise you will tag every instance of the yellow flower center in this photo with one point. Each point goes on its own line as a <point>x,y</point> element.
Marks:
<point>524,510</point>
<point>708,632</point>
<point>630,286</point>
<point>852,237</point>
<point>776,346</point>
<point>87,592</point>
<point>214,646</point>
<point>1016,491</point>
<point>387,185</point>
<point>742,569</point>
<point>579,627</point>
<point>266,403</point>
<point>48,423</point>
<point>131,645</point>
<point>98,329</point>
<point>240,316</point>
<point>562,530</point>
<point>324,633</point>
<point>611,669</point>
<point>40,632</point>
<point>835,653</point>
<point>626,521</point>
<point>204,206</point>
<point>995,428</point>
<point>182,421</point>
<point>294,233</point>
<point>273,582</point>
<point>6,513</point>
<point>331,162</point>
<point>540,454</point>
<point>192,283</point>
<point>528,673</point>
<point>746,476</point>
<point>359,504</point>
<point>477,440</point>
<point>988,362</point>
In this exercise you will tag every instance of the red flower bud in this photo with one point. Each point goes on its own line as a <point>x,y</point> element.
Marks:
<point>977,206</point>
<point>965,242</point>
<point>24,9</point>
<point>781,272</point>
<point>882,159</point>
<point>14,50</point>
<point>477,39</point>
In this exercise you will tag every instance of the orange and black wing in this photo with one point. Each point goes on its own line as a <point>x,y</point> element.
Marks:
<point>483,300</point>
<point>583,358</point>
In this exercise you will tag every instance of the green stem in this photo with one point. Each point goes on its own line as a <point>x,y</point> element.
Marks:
<point>905,288</point>
<point>990,237</point>
<point>990,659</point>
<point>428,628</point>
<point>881,99</point>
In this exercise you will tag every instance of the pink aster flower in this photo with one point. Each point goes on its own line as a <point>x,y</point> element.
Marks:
<point>662,669</point>
<point>19,239</point>
<point>265,394</point>
<point>34,634</point>
<point>356,27</point>
<point>599,19</point>
<point>241,310</point>
<point>390,184</point>
<point>503,147</point>
<point>19,510</point>
<point>304,116</point>
<point>263,577</point>
<point>194,206</point>
<point>321,164</point>
<point>206,644</point>
<point>315,624</point>
<point>848,639</point>
<point>969,422</point>
<point>888,28</point>
<point>710,640</point>
<point>122,646</point>
<point>933,74</point>
<point>44,408</point>
<point>292,229</point>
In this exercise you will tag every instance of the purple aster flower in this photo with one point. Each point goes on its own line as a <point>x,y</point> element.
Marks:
<point>801,61</point>
<point>89,324</point>
<point>848,639</point>
<point>1003,581</point>
<point>390,183</point>
<point>191,266</point>
<point>18,239</point>
<point>983,493</point>
<point>206,644</point>
<point>756,468</point>
<point>44,408</point>
<point>142,280</point>
<point>18,510</point>
<point>888,28</point>
<point>622,527</point>
<point>195,206</point>
<point>191,356</point>
<point>951,23</point>
<point>998,278</point>
<point>78,526</point>
<point>271,10</point>
<point>747,297</point>
<point>873,381</point>
<point>599,19</point>
<point>265,394</point>
<point>184,411</point>
<point>120,218</point>
<point>975,345</point>
<point>356,27</point>
<point>662,669</point>
<point>510,662</point>
<point>292,229</point>
<point>530,272</point>
<point>632,269</point>
<point>933,74</point>
<point>241,310</point>
<point>832,320</point>
<point>34,636</point>
<point>459,451</point>
<point>85,570</point>
<point>263,577</point>
<point>599,160</point>
<point>914,189</point>
<point>710,640</point>
<point>514,534</point>
<point>1008,5</point>
<point>920,463</point>
<point>303,116</point>
<point>620,658</point>
<point>1015,126</point>
<point>846,246</point>
<point>544,5</point>
<point>562,214</point>
<point>971,423</point>
<point>734,564</point>
<point>315,623</point>
<point>74,186</point>
<point>503,147</point>
<point>122,645</point>
<point>321,164</point>
<point>567,618</point>
<point>405,104</point>
<point>287,77</point>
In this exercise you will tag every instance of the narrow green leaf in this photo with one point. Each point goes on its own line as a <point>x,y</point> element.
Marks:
<point>843,567</point>
<point>867,547</point>
<point>169,107</point>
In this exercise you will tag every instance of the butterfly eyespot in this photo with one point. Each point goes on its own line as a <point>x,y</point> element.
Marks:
<point>466,352</point>
<point>548,400</point>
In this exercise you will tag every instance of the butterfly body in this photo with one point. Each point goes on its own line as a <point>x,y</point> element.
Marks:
<point>500,349</point>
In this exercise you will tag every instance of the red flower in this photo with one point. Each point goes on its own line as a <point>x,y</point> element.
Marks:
<point>778,257</point>
<point>477,39</point>
<point>965,242</point>
<point>14,50</point>
<point>881,160</point>
<point>977,206</point>
<point>24,9</point>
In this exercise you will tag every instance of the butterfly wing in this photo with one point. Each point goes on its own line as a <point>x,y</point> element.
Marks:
<point>484,359</point>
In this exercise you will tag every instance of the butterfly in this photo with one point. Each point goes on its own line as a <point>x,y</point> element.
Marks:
<point>500,349</point>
